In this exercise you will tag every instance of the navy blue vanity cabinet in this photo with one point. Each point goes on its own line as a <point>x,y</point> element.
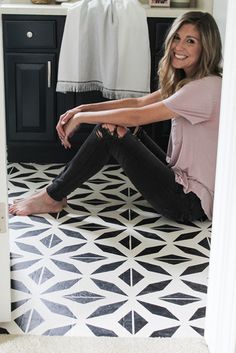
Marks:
<point>31,54</point>
<point>31,48</point>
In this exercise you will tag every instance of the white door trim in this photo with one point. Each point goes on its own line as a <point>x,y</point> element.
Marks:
<point>5,300</point>
<point>220,325</point>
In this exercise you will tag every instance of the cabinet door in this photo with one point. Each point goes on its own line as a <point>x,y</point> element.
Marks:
<point>30,91</point>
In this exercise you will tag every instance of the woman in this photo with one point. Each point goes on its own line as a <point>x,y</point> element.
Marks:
<point>179,185</point>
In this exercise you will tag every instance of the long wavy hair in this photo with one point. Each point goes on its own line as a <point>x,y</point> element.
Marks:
<point>171,79</point>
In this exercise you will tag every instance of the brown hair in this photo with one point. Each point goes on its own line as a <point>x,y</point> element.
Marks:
<point>171,79</point>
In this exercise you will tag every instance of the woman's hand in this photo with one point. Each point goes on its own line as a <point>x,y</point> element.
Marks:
<point>64,118</point>
<point>69,129</point>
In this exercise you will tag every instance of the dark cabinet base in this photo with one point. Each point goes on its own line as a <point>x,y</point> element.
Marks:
<point>32,105</point>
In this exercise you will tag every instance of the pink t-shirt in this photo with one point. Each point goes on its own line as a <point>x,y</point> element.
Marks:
<point>193,140</point>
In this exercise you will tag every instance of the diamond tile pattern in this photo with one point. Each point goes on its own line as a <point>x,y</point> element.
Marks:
<point>107,265</point>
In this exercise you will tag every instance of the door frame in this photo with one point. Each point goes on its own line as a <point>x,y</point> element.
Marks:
<point>5,298</point>
<point>220,324</point>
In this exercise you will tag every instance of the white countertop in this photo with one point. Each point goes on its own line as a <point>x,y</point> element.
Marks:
<point>26,7</point>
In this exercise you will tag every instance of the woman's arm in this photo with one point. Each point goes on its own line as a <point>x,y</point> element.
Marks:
<point>109,105</point>
<point>123,117</point>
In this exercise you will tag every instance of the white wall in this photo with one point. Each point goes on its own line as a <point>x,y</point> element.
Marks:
<point>219,12</point>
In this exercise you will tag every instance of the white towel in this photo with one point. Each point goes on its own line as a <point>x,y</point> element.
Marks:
<point>105,47</point>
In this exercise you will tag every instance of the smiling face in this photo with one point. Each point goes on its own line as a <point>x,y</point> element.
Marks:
<point>186,49</point>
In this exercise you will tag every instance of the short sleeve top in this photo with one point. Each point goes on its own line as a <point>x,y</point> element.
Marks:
<point>192,145</point>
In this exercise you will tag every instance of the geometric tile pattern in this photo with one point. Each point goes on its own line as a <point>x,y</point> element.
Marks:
<point>107,265</point>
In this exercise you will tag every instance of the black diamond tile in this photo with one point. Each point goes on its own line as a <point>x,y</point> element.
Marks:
<point>196,286</point>
<point>130,242</point>
<point>37,180</point>
<point>129,192</point>
<point>112,186</point>
<point>95,202</point>
<point>191,251</point>
<point>39,219</point>
<point>51,240</point>
<point>84,297</point>
<point>19,225</point>
<point>107,309</point>
<point>88,257</point>
<point>173,259</point>
<point>17,304</point>
<point>111,208</point>
<point>78,208</point>
<point>168,332</point>
<point>149,235</point>
<point>32,233</point>
<point>145,208</point>
<point>58,309</point>
<point>112,177</point>
<point>58,331</point>
<point>72,233</point>
<point>41,275</point>
<point>108,286</point>
<point>66,266</point>
<point>187,236</point>
<point>158,310</point>
<point>151,250</point>
<point>14,256</point>
<point>69,249</point>
<point>131,277</point>
<point>139,322</point>
<point>126,322</point>
<point>29,320</point>
<point>135,277</point>
<point>112,196</point>
<point>180,299</point>
<point>111,220</point>
<point>195,269</point>
<point>109,267</point>
<point>109,249</point>
<point>108,235</point>
<point>17,285</point>
<point>153,268</point>
<point>199,314</point>
<point>3,331</point>
<point>97,181</point>
<point>22,265</point>
<point>60,286</point>
<point>205,243</point>
<point>90,226</point>
<point>19,185</point>
<point>28,166</point>
<point>146,221</point>
<point>167,228</point>
<point>100,331</point>
<point>198,330</point>
<point>28,248</point>
<point>129,214</point>
<point>155,287</point>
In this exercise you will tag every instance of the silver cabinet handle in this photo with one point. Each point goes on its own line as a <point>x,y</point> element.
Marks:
<point>29,34</point>
<point>49,73</point>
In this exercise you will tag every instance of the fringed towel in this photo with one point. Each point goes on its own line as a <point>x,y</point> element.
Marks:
<point>105,47</point>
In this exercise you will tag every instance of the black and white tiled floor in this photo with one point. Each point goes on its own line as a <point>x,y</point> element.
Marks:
<point>107,265</point>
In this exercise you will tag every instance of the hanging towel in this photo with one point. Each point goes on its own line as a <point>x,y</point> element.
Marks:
<point>105,47</point>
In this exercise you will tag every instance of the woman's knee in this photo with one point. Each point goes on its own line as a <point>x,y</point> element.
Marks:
<point>111,129</point>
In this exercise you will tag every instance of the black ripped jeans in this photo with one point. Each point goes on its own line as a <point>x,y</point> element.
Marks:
<point>143,162</point>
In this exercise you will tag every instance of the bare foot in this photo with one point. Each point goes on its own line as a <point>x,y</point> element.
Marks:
<point>38,203</point>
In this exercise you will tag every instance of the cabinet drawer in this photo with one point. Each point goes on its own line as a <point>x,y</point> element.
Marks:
<point>29,34</point>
